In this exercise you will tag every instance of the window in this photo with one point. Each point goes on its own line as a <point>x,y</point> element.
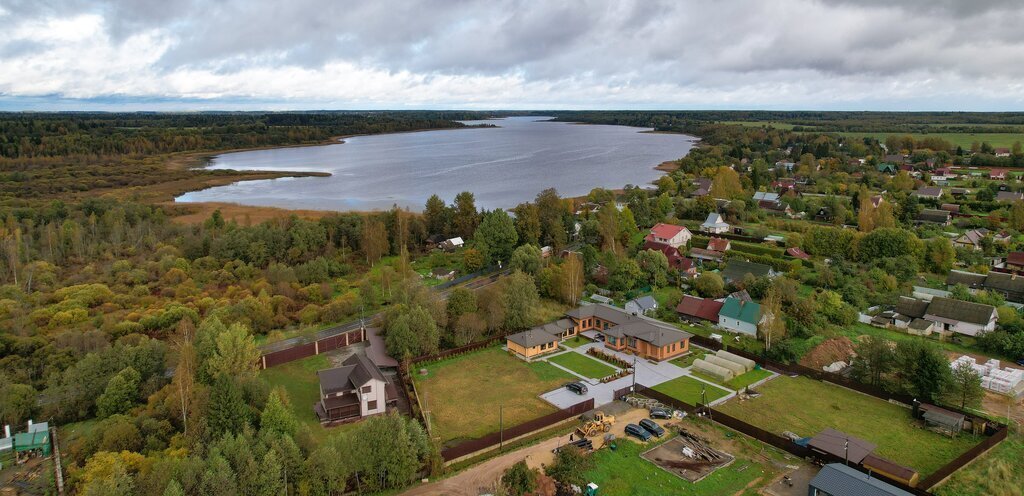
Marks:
<point>367,389</point>
<point>632,342</point>
<point>371,405</point>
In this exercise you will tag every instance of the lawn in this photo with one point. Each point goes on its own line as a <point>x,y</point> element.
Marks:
<point>622,472</point>
<point>996,473</point>
<point>462,394</point>
<point>749,378</point>
<point>687,360</point>
<point>576,342</point>
<point>687,389</point>
<point>300,381</point>
<point>806,407</point>
<point>582,365</point>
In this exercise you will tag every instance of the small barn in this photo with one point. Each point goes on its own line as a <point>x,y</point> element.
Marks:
<point>841,445</point>
<point>942,420</point>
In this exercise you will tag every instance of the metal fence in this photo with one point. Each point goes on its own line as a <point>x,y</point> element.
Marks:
<point>495,438</point>
<point>322,345</point>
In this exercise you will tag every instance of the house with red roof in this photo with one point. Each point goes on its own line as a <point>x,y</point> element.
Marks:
<point>998,174</point>
<point>676,260</point>
<point>719,244</point>
<point>796,252</point>
<point>669,234</point>
<point>697,309</point>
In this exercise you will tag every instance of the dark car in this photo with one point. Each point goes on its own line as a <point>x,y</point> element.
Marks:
<point>637,432</point>
<point>1020,362</point>
<point>652,427</point>
<point>577,387</point>
<point>660,413</point>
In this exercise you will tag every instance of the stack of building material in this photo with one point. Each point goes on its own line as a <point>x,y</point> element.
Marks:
<point>1005,381</point>
<point>716,371</point>
<point>747,363</point>
<point>736,368</point>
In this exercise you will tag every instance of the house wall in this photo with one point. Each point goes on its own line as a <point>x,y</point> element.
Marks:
<point>532,351</point>
<point>377,393</point>
<point>737,325</point>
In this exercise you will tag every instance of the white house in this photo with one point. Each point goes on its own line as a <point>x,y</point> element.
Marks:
<point>356,389</point>
<point>740,316</point>
<point>643,305</point>
<point>715,224</point>
<point>452,244</point>
<point>962,317</point>
<point>669,234</point>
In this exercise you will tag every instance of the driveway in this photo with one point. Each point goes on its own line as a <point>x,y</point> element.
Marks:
<point>648,373</point>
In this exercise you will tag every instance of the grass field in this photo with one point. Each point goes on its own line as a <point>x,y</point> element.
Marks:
<point>687,389</point>
<point>576,342</point>
<point>622,472</point>
<point>582,365</point>
<point>997,473</point>
<point>964,140</point>
<point>463,394</point>
<point>299,380</point>
<point>806,407</point>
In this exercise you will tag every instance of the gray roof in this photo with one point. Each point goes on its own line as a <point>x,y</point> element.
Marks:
<point>839,480</point>
<point>842,445</point>
<point>933,191</point>
<point>354,372</point>
<point>736,270</point>
<point>1008,196</point>
<point>533,337</point>
<point>920,324</point>
<point>644,328</point>
<point>646,302</point>
<point>969,279</point>
<point>959,310</point>
<point>1004,282</point>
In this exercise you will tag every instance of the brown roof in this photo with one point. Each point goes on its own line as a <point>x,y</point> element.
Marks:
<point>675,259</point>
<point>796,252</point>
<point>666,231</point>
<point>890,467</point>
<point>718,244</point>
<point>702,308</point>
<point>1015,258</point>
<point>835,443</point>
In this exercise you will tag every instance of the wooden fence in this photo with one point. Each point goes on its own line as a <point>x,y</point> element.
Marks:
<point>317,347</point>
<point>495,438</point>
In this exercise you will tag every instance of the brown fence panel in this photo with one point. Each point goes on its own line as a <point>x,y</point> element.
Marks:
<point>457,351</point>
<point>340,341</point>
<point>494,438</point>
<point>967,457</point>
<point>290,354</point>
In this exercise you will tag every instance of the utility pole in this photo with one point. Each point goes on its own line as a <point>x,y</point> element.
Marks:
<point>633,388</point>
<point>501,427</point>
<point>846,450</point>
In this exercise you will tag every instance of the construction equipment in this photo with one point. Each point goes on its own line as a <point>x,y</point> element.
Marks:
<point>601,422</point>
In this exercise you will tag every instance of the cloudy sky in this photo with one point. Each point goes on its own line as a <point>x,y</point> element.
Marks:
<point>675,54</point>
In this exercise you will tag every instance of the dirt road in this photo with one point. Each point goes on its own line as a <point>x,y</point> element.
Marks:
<point>480,479</point>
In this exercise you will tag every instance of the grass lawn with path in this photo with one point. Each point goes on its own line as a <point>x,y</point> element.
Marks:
<point>576,342</point>
<point>687,389</point>
<point>463,393</point>
<point>806,407</point>
<point>582,365</point>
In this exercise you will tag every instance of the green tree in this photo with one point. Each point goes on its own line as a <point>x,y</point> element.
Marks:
<point>526,258</point>
<point>174,489</point>
<point>276,416</point>
<point>654,264</point>
<point>435,215</point>
<point>121,393</point>
<point>227,411</point>
<point>625,275</point>
<point>465,217</point>
<point>236,354</point>
<point>472,260</point>
<point>374,240</point>
<point>875,358</point>
<point>17,402</point>
<point>519,479</point>
<point>528,223</point>
<point>923,369</point>
<point>940,255</point>
<point>964,388</point>
<point>1015,219</point>
<point>389,451</point>
<point>569,466</point>
<point>496,236</point>
<point>461,301</point>
<point>709,285</point>
<point>889,242</point>
<point>520,301</point>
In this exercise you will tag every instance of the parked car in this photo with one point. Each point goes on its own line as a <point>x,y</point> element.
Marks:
<point>1020,362</point>
<point>652,427</point>
<point>577,387</point>
<point>661,413</point>
<point>637,432</point>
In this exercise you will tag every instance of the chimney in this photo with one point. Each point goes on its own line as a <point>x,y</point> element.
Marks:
<point>29,424</point>
<point>7,430</point>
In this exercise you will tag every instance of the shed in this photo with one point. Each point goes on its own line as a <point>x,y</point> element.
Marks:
<point>841,445</point>
<point>891,469</point>
<point>944,420</point>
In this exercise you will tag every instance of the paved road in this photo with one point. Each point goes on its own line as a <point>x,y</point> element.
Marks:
<point>284,344</point>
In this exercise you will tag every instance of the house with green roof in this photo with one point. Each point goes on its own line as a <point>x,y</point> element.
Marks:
<point>740,316</point>
<point>887,168</point>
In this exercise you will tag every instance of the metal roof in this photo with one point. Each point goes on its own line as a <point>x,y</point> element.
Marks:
<point>839,480</point>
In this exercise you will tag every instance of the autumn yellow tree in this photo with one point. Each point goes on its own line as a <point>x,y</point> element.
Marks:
<point>726,183</point>
<point>866,214</point>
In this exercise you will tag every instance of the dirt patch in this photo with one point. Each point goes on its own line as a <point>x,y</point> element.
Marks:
<point>828,352</point>
<point>668,166</point>
<point>675,457</point>
<point>195,213</point>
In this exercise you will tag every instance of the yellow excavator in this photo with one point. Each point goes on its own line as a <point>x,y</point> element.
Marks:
<point>596,425</point>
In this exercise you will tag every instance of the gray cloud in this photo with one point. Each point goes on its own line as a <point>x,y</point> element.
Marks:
<point>475,51</point>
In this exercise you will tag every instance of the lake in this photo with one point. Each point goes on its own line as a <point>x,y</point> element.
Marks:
<point>501,166</point>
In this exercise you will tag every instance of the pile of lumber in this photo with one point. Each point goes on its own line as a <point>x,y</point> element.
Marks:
<point>700,447</point>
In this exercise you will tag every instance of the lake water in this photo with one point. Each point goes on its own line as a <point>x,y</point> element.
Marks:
<point>501,166</point>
